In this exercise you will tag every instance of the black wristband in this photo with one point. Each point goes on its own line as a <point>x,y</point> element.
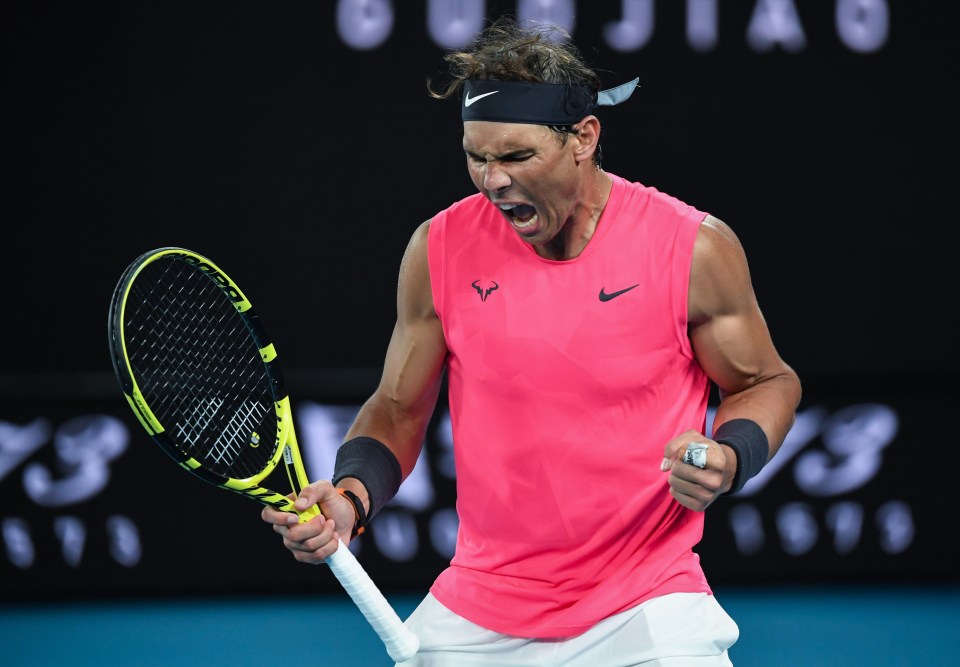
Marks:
<point>747,439</point>
<point>371,462</point>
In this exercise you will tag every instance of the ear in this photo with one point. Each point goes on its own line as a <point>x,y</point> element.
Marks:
<point>587,138</point>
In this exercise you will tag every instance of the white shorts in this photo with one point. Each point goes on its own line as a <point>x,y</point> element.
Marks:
<point>673,630</point>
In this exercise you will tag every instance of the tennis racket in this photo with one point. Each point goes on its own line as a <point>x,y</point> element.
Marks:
<point>202,377</point>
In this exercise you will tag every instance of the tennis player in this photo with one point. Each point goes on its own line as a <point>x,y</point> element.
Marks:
<point>580,318</point>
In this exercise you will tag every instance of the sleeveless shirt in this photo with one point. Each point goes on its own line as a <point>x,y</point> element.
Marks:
<point>566,379</point>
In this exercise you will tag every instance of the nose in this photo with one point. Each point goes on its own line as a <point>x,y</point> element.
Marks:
<point>495,177</point>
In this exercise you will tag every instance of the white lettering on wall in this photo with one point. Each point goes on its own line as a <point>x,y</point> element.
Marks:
<point>775,23</point>
<point>85,446</point>
<point>364,24</point>
<point>797,528</point>
<point>746,523</point>
<point>703,27</point>
<point>72,535</point>
<point>453,23</point>
<point>845,521</point>
<point>634,28</point>
<point>828,453</point>
<point>863,25</point>
<point>124,540</point>
<point>18,442</point>
<point>895,521</point>
<point>396,536</point>
<point>18,542</point>
<point>854,439</point>
<point>559,13</point>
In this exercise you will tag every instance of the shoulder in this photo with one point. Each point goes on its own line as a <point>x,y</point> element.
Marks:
<point>719,275</point>
<point>659,203</point>
<point>715,240</point>
<point>467,206</point>
<point>414,293</point>
<point>418,243</point>
<point>462,224</point>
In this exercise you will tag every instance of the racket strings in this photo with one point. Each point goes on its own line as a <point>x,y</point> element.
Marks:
<point>200,369</point>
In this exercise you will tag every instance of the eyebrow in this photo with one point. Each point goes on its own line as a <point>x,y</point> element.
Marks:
<point>520,152</point>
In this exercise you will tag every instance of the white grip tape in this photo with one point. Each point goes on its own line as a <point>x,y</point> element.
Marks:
<point>400,642</point>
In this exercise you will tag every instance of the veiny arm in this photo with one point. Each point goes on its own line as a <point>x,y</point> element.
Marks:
<point>733,345</point>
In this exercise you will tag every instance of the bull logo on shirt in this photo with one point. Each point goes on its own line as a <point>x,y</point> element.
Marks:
<point>484,290</point>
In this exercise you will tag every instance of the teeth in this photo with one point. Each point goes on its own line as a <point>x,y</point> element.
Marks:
<point>515,221</point>
<point>524,225</point>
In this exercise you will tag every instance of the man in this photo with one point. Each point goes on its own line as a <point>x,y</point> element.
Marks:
<point>580,318</point>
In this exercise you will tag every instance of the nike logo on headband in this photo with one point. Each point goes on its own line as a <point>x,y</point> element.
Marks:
<point>467,100</point>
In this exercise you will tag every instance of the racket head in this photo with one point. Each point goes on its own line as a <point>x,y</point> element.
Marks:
<point>200,373</point>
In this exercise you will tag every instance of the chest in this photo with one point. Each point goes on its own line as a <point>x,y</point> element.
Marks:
<point>603,315</point>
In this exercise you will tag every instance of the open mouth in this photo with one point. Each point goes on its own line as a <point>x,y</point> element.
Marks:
<point>520,215</point>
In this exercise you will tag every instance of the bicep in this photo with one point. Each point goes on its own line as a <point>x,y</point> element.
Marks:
<point>400,409</point>
<point>729,334</point>
<point>417,350</point>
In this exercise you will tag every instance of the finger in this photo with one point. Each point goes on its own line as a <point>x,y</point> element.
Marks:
<point>328,493</point>
<point>688,501</point>
<point>277,517</point>
<point>308,498</point>
<point>320,539</point>
<point>314,494</point>
<point>297,537</point>
<point>675,448</point>
<point>690,495</point>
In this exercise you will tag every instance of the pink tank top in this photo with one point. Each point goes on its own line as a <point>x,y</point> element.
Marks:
<point>566,379</point>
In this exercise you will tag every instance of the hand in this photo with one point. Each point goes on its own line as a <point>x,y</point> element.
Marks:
<point>693,487</point>
<point>313,541</point>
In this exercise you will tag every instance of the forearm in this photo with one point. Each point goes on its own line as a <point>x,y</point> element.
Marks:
<point>383,444</point>
<point>771,403</point>
<point>381,448</point>
<point>401,430</point>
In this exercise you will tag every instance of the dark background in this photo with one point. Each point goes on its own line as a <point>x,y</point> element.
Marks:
<point>252,133</point>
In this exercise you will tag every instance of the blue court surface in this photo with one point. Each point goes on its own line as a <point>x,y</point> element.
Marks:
<point>836,626</point>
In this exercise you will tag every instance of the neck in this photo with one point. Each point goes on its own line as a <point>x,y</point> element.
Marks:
<point>583,221</point>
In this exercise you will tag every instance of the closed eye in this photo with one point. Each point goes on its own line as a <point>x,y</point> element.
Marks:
<point>509,157</point>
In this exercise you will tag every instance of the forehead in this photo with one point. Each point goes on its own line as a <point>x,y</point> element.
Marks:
<point>482,136</point>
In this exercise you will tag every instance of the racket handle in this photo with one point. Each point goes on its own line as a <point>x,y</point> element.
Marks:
<point>400,642</point>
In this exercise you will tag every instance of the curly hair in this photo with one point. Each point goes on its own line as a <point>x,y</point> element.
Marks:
<point>507,51</point>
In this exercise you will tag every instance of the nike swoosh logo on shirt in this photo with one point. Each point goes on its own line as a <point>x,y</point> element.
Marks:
<point>613,295</point>
<point>467,101</point>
